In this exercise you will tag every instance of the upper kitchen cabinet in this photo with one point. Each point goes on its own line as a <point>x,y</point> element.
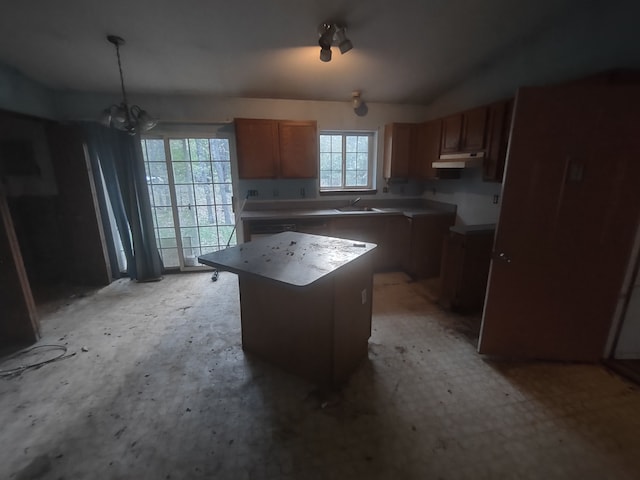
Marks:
<point>257,148</point>
<point>498,128</point>
<point>276,148</point>
<point>426,146</point>
<point>398,149</point>
<point>464,132</point>
<point>298,149</point>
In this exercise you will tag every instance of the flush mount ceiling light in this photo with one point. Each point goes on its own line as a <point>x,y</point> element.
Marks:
<point>132,119</point>
<point>332,34</point>
<point>359,106</point>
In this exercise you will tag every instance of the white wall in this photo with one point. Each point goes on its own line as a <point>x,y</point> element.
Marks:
<point>474,197</point>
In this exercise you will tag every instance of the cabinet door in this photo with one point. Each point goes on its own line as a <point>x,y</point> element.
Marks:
<point>427,150</point>
<point>451,269</point>
<point>474,129</point>
<point>451,134</point>
<point>298,149</point>
<point>426,239</point>
<point>497,140</point>
<point>257,148</point>
<point>364,229</point>
<point>397,150</point>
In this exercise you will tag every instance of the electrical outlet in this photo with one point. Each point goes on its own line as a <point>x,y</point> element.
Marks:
<point>496,197</point>
<point>253,193</point>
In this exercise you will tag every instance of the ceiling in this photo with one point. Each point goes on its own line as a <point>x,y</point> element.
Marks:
<point>405,51</point>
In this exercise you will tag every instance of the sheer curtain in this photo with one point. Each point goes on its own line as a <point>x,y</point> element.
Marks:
<point>119,157</point>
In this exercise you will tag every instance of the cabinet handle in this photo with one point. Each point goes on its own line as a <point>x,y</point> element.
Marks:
<point>503,256</point>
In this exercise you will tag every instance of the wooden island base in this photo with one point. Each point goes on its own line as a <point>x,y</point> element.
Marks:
<point>306,305</point>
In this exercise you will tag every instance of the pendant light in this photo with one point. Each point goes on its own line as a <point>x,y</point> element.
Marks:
<point>130,118</point>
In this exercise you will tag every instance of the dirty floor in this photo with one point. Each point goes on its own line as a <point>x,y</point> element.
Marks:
<point>154,385</point>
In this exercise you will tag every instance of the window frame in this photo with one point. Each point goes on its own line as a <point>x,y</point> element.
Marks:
<point>371,162</point>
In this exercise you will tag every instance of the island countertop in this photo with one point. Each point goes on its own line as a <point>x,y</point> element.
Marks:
<point>297,259</point>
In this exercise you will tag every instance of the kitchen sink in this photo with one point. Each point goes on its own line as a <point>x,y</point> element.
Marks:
<point>357,208</point>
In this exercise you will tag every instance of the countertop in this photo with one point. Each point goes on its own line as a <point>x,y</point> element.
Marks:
<point>300,213</point>
<point>297,259</point>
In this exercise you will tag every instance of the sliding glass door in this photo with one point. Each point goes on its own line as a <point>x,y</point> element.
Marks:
<point>191,193</point>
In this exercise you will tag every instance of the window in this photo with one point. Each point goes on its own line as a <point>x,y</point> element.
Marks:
<point>346,160</point>
<point>191,194</point>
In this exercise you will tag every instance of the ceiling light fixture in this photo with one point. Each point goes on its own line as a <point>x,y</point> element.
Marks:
<point>132,119</point>
<point>359,106</point>
<point>332,34</point>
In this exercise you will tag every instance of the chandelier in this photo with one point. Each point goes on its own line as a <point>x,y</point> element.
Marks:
<point>130,118</point>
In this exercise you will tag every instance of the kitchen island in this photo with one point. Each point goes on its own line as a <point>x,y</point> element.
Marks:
<point>305,301</point>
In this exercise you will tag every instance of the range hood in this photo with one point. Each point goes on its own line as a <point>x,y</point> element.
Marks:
<point>460,160</point>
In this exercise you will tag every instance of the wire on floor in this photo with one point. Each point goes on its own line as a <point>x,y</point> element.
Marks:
<point>18,370</point>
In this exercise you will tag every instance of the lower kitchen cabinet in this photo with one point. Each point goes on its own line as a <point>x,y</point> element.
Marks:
<point>412,244</point>
<point>426,236</point>
<point>465,268</point>
<point>367,228</point>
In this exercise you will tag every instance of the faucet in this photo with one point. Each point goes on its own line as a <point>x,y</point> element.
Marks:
<point>353,202</point>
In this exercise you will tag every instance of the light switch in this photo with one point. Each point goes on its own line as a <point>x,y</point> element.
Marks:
<point>363,294</point>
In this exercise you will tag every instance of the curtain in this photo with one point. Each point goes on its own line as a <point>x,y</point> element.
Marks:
<point>119,156</point>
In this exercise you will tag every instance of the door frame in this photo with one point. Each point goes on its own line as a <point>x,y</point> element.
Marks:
<point>170,131</point>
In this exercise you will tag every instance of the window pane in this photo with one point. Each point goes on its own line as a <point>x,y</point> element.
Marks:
<point>153,150</point>
<point>160,195</point>
<point>222,172</point>
<point>219,149</point>
<point>179,150</point>
<point>325,179</point>
<point>204,194</point>
<point>362,162</point>
<point>223,193</point>
<point>206,215</point>
<point>208,237</point>
<point>351,161</point>
<point>336,143</point>
<point>182,172</point>
<point>199,149</point>
<point>350,178</point>
<point>187,216</point>
<point>223,234</point>
<point>170,257</point>
<point>184,195</point>
<point>157,172</point>
<point>190,237</point>
<point>164,217</point>
<point>336,161</point>
<point>336,179</point>
<point>202,172</point>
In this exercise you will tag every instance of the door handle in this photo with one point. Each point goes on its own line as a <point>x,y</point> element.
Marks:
<point>503,256</point>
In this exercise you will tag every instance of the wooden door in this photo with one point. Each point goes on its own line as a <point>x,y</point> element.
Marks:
<point>570,210</point>
<point>257,147</point>
<point>298,149</point>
